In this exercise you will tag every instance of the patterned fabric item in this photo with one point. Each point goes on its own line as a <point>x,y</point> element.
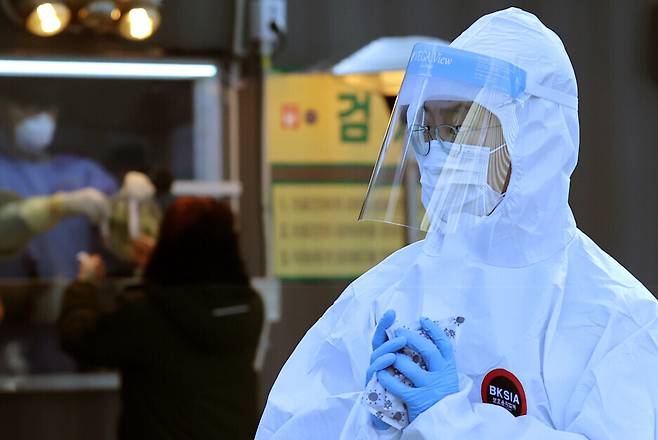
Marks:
<point>385,405</point>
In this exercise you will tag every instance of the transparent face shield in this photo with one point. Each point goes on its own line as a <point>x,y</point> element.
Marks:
<point>445,160</point>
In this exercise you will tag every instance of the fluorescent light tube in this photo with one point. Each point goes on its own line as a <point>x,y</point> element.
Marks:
<point>105,69</point>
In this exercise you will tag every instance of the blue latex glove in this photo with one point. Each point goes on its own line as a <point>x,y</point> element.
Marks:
<point>383,354</point>
<point>440,379</point>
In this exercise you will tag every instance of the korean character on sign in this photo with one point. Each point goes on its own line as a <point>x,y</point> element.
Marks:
<point>354,119</point>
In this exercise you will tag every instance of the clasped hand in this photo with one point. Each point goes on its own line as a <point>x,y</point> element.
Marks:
<point>431,385</point>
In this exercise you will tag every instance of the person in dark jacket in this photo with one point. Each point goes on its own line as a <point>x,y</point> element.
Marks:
<point>185,341</point>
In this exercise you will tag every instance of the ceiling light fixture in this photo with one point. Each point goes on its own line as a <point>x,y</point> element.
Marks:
<point>100,15</point>
<point>135,20</point>
<point>40,17</point>
<point>140,19</point>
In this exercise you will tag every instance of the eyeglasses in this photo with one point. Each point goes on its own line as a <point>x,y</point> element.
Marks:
<point>422,135</point>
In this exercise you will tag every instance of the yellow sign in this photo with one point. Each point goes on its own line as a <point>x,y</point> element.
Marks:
<point>316,234</point>
<point>323,119</point>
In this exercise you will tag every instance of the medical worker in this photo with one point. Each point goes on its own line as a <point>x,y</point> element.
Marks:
<point>527,330</point>
<point>28,169</point>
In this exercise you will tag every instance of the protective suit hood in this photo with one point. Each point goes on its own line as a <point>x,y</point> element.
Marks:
<point>534,220</point>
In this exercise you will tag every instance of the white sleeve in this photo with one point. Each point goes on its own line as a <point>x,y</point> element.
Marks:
<point>22,219</point>
<point>319,385</point>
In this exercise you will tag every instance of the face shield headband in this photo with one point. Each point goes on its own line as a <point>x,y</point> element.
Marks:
<point>431,60</point>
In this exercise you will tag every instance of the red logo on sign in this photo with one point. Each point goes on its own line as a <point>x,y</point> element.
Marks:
<point>502,388</point>
<point>290,116</point>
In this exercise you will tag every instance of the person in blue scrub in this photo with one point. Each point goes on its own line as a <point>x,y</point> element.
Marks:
<point>27,169</point>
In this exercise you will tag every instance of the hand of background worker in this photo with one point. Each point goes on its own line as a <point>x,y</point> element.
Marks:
<point>91,267</point>
<point>87,201</point>
<point>137,186</point>
<point>440,379</point>
<point>142,249</point>
<point>383,354</point>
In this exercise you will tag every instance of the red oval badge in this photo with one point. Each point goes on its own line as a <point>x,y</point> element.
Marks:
<point>502,388</point>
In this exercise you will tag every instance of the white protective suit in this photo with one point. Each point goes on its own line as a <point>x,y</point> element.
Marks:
<point>539,298</point>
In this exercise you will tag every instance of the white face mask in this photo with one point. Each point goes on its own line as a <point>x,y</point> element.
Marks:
<point>35,133</point>
<point>454,180</point>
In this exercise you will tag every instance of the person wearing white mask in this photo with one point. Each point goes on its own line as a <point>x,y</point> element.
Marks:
<point>34,133</point>
<point>27,169</point>
<point>506,321</point>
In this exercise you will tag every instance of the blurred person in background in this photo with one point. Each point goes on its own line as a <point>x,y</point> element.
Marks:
<point>185,341</point>
<point>27,169</point>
